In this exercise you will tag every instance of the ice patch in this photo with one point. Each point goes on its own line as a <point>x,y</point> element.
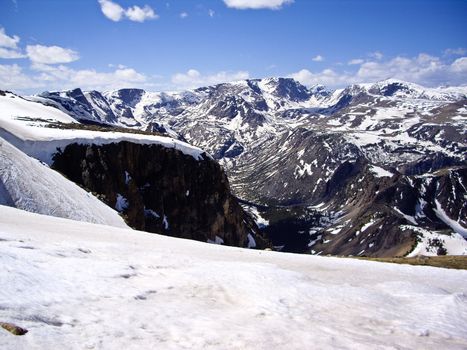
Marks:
<point>441,214</point>
<point>121,203</point>
<point>380,172</point>
<point>217,240</point>
<point>251,241</point>
<point>409,218</point>
<point>165,222</point>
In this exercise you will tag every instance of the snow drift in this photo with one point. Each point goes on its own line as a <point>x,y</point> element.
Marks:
<point>76,285</point>
<point>27,184</point>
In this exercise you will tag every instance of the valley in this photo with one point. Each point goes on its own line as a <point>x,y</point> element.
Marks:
<point>373,169</point>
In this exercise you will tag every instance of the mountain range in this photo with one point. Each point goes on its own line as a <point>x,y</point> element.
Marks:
<point>372,169</point>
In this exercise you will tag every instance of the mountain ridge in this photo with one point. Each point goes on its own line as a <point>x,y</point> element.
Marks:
<point>320,153</point>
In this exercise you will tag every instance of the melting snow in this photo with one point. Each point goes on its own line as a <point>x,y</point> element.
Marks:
<point>121,203</point>
<point>150,291</point>
<point>454,243</point>
<point>217,240</point>
<point>409,218</point>
<point>41,142</point>
<point>380,172</point>
<point>165,222</point>
<point>27,184</point>
<point>251,241</point>
<point>457,227</point>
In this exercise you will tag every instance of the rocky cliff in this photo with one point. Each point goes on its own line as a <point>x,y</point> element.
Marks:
<point>159,189</point>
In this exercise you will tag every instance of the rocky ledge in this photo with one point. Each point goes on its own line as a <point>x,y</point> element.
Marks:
<point>159,189</point>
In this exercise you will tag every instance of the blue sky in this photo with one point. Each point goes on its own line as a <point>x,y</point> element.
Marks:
<point>178,44</point>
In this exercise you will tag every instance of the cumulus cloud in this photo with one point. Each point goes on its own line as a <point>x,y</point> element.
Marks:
<point>116,13</point>
<point>326,77</point>
<point>193,78</point>
<point>376,55</point>
<point>50,54</point>
<point>257,4</point>
<point>111,10</point>
<point>318,58</point>
<point>64,77</point>
<point>423,69</point>
<point>10,42</point>
<point>460,65</point>
<point>9,54</point>
<point>456,52</point>
<point>13,78</point>
<point>140,14</point>
<point>9,46</point>
<point>355,61</point>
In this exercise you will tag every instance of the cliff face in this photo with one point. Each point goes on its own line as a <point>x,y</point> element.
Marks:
<point>162,190</point>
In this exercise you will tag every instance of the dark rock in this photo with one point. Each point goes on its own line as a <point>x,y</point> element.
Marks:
<point>166,191</point>
<point>13,329</point>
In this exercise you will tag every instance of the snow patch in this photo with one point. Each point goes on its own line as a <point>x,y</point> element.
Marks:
<point>165,222</point>
<point>121,204</point>
<point>428,242</point>
<point>456,226</point>
<point>217,240</point>
<point>251,241</point>
<point>380,172</point>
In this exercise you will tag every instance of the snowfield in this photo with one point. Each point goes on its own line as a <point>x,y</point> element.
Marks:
<point>23,124</point>
<point>77,285</point>
<point>27,184</point>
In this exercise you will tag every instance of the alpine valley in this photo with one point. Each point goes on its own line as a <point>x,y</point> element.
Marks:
<point>375,170</point>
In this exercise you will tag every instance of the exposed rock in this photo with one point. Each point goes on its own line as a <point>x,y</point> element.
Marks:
<point>161,190</point>
<point>13,329</point>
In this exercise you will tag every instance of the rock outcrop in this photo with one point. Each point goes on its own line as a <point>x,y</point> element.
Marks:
<point>162,190</point>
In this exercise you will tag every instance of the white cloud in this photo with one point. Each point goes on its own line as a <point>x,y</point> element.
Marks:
<point>64,77</point>
<point>327,77</point>
<point>192,78</point>
<point>50,54</point>
<point>423,69</point>
<point>211,13</point>
<point>257,4</point>
<point>140,14</point>
<point>115,12</point>
<point>10,42</point>
<point>183,15</point>
<point>376,55</point>
<point>355,61</point>
<point>8,53</point>
<point>111,10</point>
<point>13,78</point>
<point>460,65</point>
<point>9,46</point>
<point>318,58</point>
<point>456,52</point>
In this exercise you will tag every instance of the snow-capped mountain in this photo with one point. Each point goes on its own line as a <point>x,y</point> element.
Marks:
<point>156,183</point>
<point>372,169</point>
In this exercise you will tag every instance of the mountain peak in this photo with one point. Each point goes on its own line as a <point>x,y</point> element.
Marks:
<point>285,87</point>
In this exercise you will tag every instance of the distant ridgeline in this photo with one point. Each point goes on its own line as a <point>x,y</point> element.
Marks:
<point>371,170</point>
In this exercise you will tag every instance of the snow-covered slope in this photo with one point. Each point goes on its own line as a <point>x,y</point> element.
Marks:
<point>27,184</point>
<point>157,183</point>
<point>84,286</point>
<point>26,124</point>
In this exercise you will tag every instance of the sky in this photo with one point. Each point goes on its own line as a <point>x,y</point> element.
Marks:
<point>181,44</point>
